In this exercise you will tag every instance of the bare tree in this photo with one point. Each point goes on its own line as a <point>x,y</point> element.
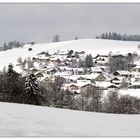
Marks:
<point>89,99</point>
<point>110,103</point>
<point>56,38</point>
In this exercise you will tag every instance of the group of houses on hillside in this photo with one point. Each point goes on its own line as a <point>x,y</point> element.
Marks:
<point>65,64</point>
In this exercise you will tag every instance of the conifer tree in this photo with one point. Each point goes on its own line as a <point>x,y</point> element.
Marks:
<point>32,89</point>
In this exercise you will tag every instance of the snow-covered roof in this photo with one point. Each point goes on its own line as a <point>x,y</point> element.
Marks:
<point>65,73</point>
<point>136,67</point>
<point>135,81</point>
<point>117,77</point>
<point>80,84</point>
<point>123,72</point>
<point>103,84</point>
<point>96,69</point>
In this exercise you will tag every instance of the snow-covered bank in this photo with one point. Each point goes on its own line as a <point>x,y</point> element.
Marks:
<point>27,120</point>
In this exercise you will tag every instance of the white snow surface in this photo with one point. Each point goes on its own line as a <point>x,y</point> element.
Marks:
<point>90,46</point>
<point>131,92</point>
<point>28,120</point>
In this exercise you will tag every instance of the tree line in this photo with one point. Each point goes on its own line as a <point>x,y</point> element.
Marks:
<point>11,45</point>
<point>28,90</point>
<point>118,36</point>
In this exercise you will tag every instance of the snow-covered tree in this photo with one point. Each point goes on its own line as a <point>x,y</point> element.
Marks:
<point>32,90</point>
<point>31,84</point>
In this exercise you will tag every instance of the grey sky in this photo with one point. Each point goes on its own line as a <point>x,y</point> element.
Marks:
<point>39,22</point>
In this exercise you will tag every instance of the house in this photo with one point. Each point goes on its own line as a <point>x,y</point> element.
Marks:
<point>67,70</point>
<point>122,73</point>
<point>101,59</point>
<point>88,85</point>
<point>83,81</point>
<point>103,85</point>
<point>96,69</point>
<point>100,77</point>
<point>62,74</point>
<point>74,71</point>
<point>50,71</point>
<point>97,76</point>
<point>135,83</point>
<point>117,56</point>
<point>112,87</point>
<point>98,57</point>
<point>116,80</point>
<point>73,88</point>
<point>135,71</point>
<point>78,71</point>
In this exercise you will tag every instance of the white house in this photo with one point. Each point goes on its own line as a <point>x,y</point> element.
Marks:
<point>122,73</point>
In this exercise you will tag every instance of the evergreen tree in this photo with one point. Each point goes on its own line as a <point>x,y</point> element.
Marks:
<point>31,84</point>
<point>11,86</point>
<point>32,90</point>
<point>10,69</point>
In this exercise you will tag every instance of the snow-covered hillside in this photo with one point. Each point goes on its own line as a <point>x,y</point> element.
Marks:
<point>93,46</point>
<point>28,120</point>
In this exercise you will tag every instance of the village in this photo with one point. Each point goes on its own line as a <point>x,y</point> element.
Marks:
<point>71,67</point>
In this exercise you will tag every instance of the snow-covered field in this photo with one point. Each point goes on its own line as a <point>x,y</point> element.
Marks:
<point>28,120</point>
<point>93,46</point>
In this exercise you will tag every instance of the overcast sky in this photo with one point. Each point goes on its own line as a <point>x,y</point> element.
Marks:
<point>39,22</point>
